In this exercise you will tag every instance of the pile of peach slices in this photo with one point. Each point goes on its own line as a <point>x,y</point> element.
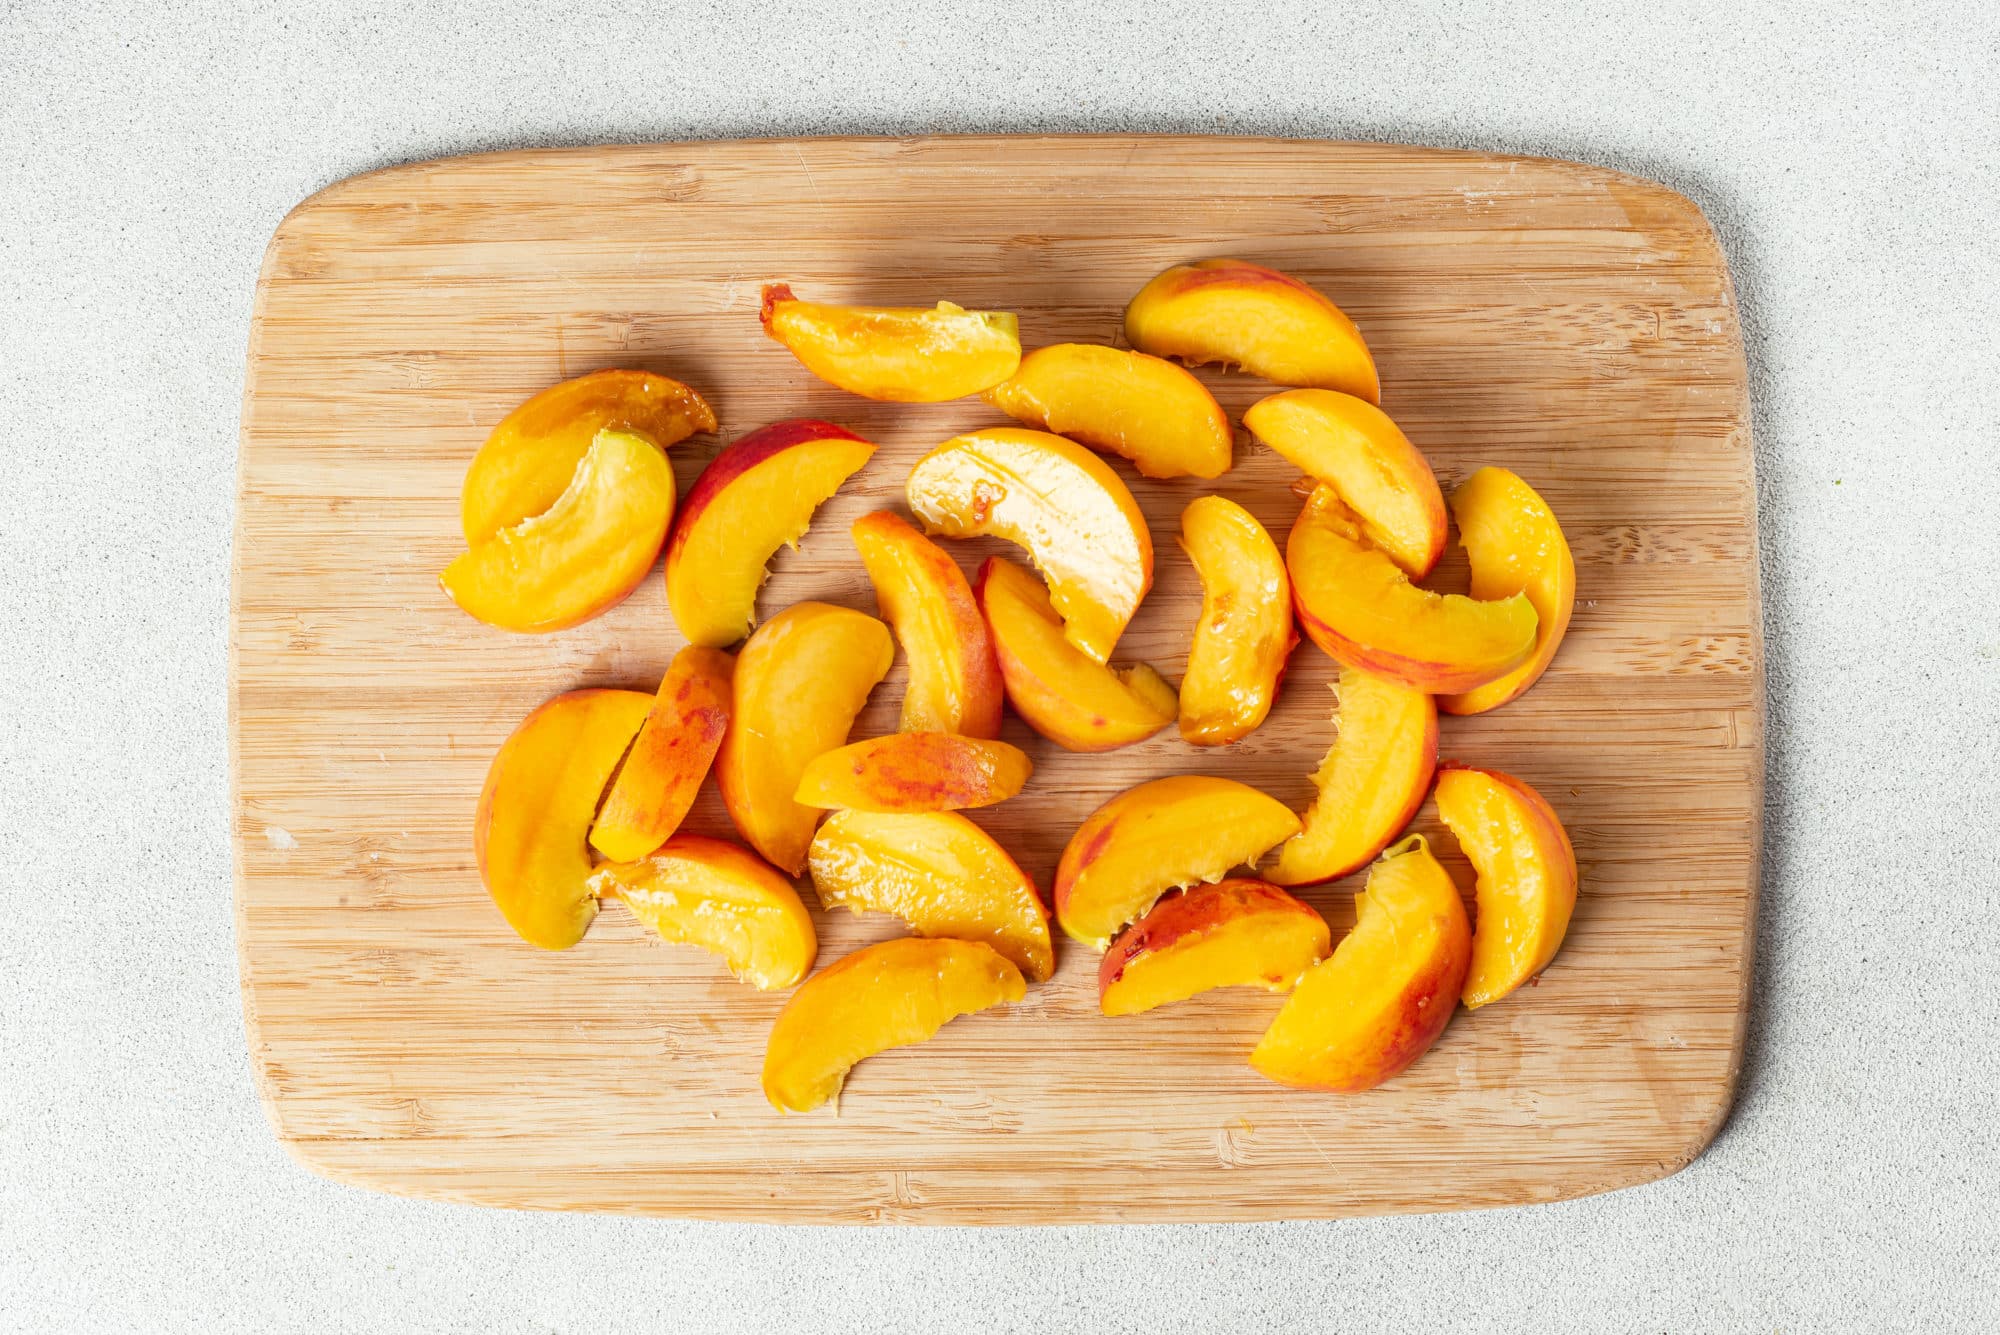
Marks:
<point>569,502</point>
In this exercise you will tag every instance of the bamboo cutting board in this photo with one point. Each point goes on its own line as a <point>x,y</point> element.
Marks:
<point>1570,323</point>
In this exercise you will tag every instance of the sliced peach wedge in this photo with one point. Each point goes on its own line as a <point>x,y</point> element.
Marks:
<point>1059,691</point>
<point>757,495</point>
<point>799,682</point>
<point>1242,314</point>
<point>716,895</point>
<point>1159,836</point>
<point>954,679</point>
<point>1389,989</point>
<point>1515,546</point>
<point>899,354</point>
<point>1245,633</point>
<point>663,771</point>
<point>882,996</point>
<point>1235,933</point>
<point>1527,879</point>
<point>939,873</point>
<point>1127,403</point>
<point>1063,504</point>
<point>915,771</point>
<point>1361,608</point>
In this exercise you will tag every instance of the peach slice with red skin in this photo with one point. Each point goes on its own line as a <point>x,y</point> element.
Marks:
<point>1235,933</point>
<point>536,806</point>
<point>898,354</point>
<point>1159,836</point>
<point>1245,633</point>
<point>882,996</point>
<point>723,898</point>
<point>915,771</point>
<point>1527,876</point>
<point>954,678</point>
<point>663,771</point>
<point>1140,407</point>
<point>1515,546</point>
<point>1242,314</point>
<point>939,873</point>
<point>799,682</point>
<point>1389,989</point>
<point>1362,609</point>
<point>757,495</point>
<point>1058,501</point>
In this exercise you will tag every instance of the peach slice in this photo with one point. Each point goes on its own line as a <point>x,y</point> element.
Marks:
<point>711,893</point>
<point>1359,606</point>
<point>534,811</point>
<point>954,679</point>
<point>526,464</point>
<point>1063,504</point>
<point>800,680</point>
<point>883,996</point>
<point>1126,403</point>
<point>938,872</point>
<point>756,496</point>
<point>900,354</point>
<point>1390,988</point>
<point>1526,887</point>
<point>1371,782</point>
<point>1515,546</point>
<point>1235,933</point>
<point>581,555</point>
<point>915,771</point>
<point>1157,837</point>
<point>1245,633</point>
<point>1269,323</point>
<point>657,783</point>
<point>1063,694</point>
<point>1351,445</point>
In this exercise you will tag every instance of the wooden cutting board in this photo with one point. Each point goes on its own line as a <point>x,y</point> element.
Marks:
<point>1570,323</point>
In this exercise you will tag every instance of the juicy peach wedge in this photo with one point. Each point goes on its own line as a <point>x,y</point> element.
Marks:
<point>954,678</point>
<point>1527,879</point>
<point>1388,991</point>
<point>1235,933</point>
<point>1140,407</point>
<point>915,771</point>
<point>883,996</point>
<point>1063,694</point>
<point>1059,502</point>
<point>1515,546</point>
<point>756,496</point>
<point>535,809</point>
<point>728,901</point>
<point>1242,314</point>
<point>663,771</point>
<point>1159,836</point>
<point>1245,633</point>
<point>939,873</point>
<point>899,354</point>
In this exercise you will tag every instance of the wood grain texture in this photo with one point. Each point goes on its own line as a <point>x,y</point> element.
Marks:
<point>1570,323</point>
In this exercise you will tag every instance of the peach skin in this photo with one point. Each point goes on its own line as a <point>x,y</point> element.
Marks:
<point>1235,933</point>
<point>526,465</point>
<point>954,679</point>
<point>939,873</point>
<point>711,893</point>
<point>1157,837</point>
<point>1360,607</point>
<point>756,496</point>
<point>1351,445</point>
<point>535,809</point>
<point>1058,501</point>
<point>1371,782</point>
<point>1063,694</point>
<point>1241,314</point>
<point>800,680</point>
<point>583,554</point>
<point>915,771</point>
<point>664,769</point>
<point>1515,546</point>
<point>1527,881</point>
<point>1126,403</point>
<point>899,354</point>
<point>883,996</point>
<point>1245,633</point>
<point>1390,988</point>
